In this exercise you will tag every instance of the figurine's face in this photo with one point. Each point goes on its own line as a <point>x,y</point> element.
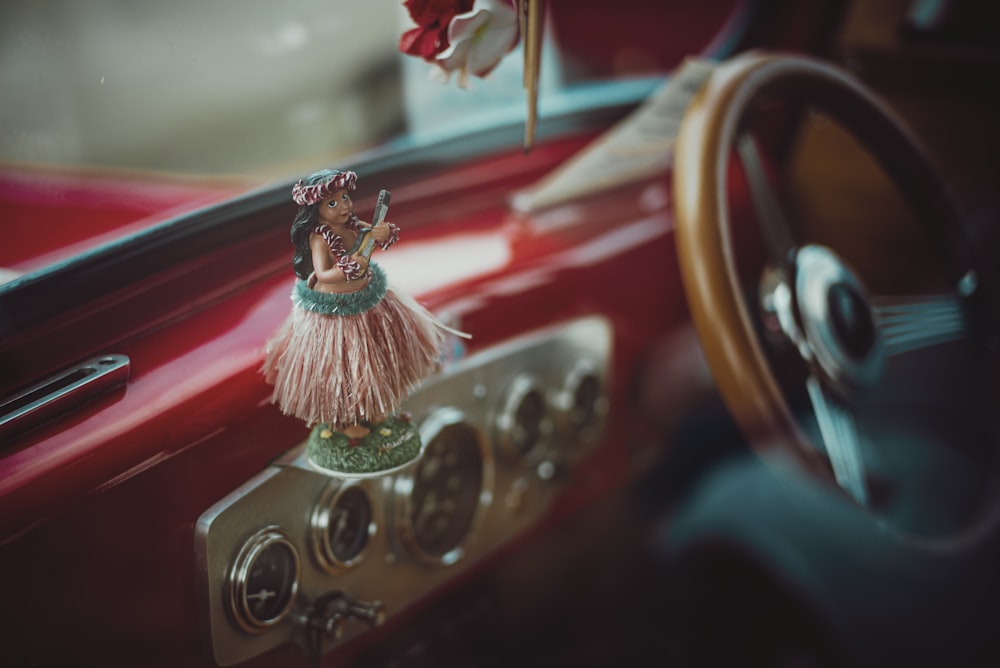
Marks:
<point>336,209</point>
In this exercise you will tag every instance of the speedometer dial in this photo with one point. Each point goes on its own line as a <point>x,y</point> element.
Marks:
<point>440,500</point>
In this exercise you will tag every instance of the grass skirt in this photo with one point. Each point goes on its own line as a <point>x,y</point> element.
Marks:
<point>341,359</point>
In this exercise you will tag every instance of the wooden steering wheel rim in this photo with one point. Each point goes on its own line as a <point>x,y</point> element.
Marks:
<point>704,241</point>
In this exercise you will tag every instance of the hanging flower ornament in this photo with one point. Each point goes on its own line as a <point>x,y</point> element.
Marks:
<point>473,36</point>
<point>461,35</point>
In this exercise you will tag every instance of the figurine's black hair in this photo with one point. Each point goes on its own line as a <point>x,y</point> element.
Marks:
<point>303,225</point>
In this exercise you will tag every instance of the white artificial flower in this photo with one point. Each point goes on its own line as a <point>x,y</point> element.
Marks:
<point>479,39</point>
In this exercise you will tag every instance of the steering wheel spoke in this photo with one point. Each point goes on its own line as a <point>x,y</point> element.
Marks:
<point>841,440</point>
<point>912,323</point>
<point>767,207</point>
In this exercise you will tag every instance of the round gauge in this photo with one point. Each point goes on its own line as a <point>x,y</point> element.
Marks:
<point>263,580</point>
<point>523,418</point>
<point>342,526</point>
<point>582,402</point>
<point>439,500</point>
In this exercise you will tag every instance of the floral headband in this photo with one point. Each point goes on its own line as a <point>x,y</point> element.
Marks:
<point>305,195</point>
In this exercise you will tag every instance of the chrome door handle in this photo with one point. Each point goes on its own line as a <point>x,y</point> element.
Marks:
<point>62,393</point>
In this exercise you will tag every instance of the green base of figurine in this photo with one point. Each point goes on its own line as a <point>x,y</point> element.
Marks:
<point>390,445</point>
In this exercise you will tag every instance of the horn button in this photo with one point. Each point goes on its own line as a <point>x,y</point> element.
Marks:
<point>837,321</point>
<point>851,320</point>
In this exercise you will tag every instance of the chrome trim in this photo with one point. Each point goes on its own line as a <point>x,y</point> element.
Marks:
<point>319,523</point>
<point>236,583</point>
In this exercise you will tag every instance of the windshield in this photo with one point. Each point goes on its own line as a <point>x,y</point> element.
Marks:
<point>131,112</point>
<point>208,88</point>
<point>227,87</point>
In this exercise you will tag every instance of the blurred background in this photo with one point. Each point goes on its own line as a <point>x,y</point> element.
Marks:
<point>264,89</point>
<point>221,87</point>
<point>226,87</point>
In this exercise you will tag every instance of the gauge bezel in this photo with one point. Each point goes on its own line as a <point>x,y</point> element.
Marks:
<point>236,583</point>
<point>430,428</point>
<point>518,390</point>
<point>565,402</point>
<point>319,524</point>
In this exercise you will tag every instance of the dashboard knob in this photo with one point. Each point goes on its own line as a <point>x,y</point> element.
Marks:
<point>327,616</point>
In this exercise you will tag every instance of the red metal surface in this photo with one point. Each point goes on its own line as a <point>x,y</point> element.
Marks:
<point>50,216</point>
<point>101,506</point>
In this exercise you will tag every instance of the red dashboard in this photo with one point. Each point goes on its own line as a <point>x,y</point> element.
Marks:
<point>102,504</point>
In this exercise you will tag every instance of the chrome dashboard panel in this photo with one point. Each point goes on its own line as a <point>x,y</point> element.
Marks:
<point>482,417</point>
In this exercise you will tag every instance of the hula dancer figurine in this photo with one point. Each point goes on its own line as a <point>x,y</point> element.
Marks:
<point>352,348</point>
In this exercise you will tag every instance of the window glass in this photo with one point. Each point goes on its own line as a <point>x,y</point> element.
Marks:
<point>225,87</point>
<point>120,114</point>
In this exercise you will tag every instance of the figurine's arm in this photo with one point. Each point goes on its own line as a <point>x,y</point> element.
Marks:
<point>385,235</point>
<point>332,267</point>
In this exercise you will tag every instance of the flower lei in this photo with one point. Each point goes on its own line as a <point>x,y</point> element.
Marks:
<point>304,195</point>
<point>351,267</point>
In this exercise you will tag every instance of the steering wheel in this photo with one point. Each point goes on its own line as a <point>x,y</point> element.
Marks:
<point>889,396</point>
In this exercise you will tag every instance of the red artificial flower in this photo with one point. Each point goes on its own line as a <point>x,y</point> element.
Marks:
<point>425,12</point>
<point>355,442</point>
<point>432,17</point>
